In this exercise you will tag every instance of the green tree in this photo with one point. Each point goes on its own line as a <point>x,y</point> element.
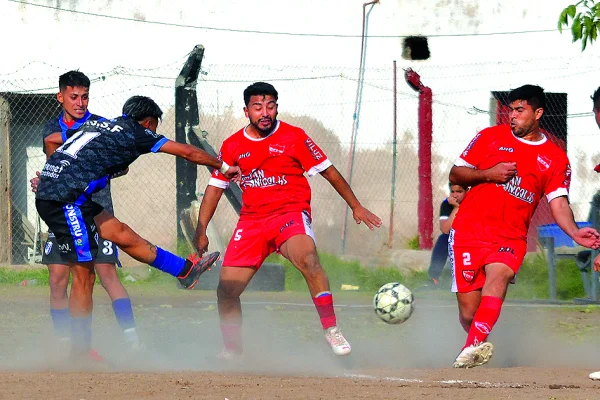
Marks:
<point>585,17</point>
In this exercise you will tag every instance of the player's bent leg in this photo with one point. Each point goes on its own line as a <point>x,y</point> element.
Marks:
<point>476,350</point>
<point>59,300</point>
<point>188,271</point>
<point>302,252</point>
<point>232,283</point>
<point>81,305</point>
<point>468,303</point>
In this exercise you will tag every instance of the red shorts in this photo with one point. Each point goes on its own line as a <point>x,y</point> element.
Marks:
<point>468,261</point>
<point>255,240</point>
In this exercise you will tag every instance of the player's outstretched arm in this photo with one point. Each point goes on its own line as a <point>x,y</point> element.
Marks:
<point>359,213</point>
<point>52,142</point>
<point>211,198</point>
<point>466,176</point>
<point>563,215</point>
<point>200,157</point>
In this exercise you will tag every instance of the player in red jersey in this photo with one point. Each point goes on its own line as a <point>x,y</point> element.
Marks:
<point>509,168</point>
<point>275,216</point>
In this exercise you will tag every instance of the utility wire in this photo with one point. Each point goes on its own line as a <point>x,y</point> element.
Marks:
<point>330,35</point>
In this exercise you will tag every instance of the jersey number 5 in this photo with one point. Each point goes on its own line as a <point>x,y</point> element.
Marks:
<point>76,142</point>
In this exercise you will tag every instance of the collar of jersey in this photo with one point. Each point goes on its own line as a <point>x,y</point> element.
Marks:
<point>77,123</point>
<point>259,139</point>
<point>538,143</point>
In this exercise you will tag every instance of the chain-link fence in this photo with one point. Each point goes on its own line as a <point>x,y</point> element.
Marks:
<point>323,101</point>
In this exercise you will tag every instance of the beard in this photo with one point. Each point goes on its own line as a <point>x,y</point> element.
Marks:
<point>264,130</point>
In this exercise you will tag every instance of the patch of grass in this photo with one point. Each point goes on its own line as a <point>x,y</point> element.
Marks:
<point>413,243</point>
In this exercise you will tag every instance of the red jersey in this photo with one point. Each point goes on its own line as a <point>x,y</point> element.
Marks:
<point>491,212</point>
<point>273,167</point>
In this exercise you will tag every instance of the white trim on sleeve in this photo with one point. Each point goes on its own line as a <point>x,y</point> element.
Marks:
<point>557,193</point>
<point>443,217</point>
<point>218,183</point>
<point>462,163</point>
<point>319,167</point>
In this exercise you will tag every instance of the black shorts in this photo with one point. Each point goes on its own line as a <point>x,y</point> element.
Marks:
<point>73,227</point>
<point>108,253</point>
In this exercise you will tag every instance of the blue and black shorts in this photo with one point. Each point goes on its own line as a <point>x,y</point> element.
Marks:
<point>74,228</point>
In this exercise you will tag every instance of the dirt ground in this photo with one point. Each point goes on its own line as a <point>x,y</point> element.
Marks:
<point>541,351</point>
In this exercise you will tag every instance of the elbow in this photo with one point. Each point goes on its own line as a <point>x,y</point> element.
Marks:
<point>453,177</point>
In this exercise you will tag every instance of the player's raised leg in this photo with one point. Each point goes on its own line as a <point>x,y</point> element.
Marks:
<point>302,252</point>
<point>187,271</point>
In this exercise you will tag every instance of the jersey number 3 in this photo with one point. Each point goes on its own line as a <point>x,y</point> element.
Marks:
<point>76,142</point>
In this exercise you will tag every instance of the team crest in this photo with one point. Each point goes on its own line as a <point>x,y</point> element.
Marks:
<point>276,149</point>
<point>543,162</point>
<point>48,247</point>
<point>469,275</point>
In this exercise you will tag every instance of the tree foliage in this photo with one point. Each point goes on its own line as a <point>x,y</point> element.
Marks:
<point>585,18</point>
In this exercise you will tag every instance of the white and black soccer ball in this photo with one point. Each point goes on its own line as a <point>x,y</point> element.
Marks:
<point>393,303</point>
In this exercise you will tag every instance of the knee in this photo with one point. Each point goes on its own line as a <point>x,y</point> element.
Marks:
<point>108,276</point>
<point>229,290</point>
<point>84,280</point>
<point>466,316</point>
<point>59,283</point>
<point>310,265</point>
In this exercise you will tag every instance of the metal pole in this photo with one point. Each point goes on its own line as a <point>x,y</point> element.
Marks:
<point>548,244</point>
<point>394,156</point>
<point>352,150</point>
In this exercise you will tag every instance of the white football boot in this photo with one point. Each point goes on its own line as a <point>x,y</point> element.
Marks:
<point>336,340</point>
<point>475,355</point>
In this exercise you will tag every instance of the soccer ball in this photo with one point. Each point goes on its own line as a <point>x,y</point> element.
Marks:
<point>393,303</point>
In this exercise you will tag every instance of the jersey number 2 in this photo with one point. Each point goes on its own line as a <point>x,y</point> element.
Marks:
<point>76,142</point>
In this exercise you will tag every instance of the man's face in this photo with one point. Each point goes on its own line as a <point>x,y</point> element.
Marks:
<point>74,100</point>
<point>458,192</point>
<point>523,118</point>
<point>262,113</point>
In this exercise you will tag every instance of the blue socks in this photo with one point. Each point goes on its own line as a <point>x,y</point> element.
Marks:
<point>124,313</point>
<point>168,262</point>
<point>81,333</point>
<point>61,319</point>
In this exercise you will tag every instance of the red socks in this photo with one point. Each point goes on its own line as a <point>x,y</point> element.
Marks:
<point>484,320</point>
<point>232,337</point>
<point>324,304</point>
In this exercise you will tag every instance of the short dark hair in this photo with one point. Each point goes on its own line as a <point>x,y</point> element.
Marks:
<point>141,107</point>
<point>533,94</point>
<point>73,79</point>
<point>596,99</point>
<point>259,89</point>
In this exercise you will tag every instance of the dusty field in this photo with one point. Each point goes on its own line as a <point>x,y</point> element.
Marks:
<point>542,352</point>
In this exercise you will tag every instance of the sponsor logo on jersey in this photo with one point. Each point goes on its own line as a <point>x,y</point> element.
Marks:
<point>48,248</point>
<point>468,275</point>
<point>567,181</point>
<point>52,171</point>
<point>470,146</point>
<point>276,149</point>
<point>244,155</point>
<point>257,179</point>
<point>543,162</point>
<point>483,327</point>
<point>73,221</point>
<point>314,150</point>
<point>151,133</point>
<point>513,187</point>
<point>509,149</point>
